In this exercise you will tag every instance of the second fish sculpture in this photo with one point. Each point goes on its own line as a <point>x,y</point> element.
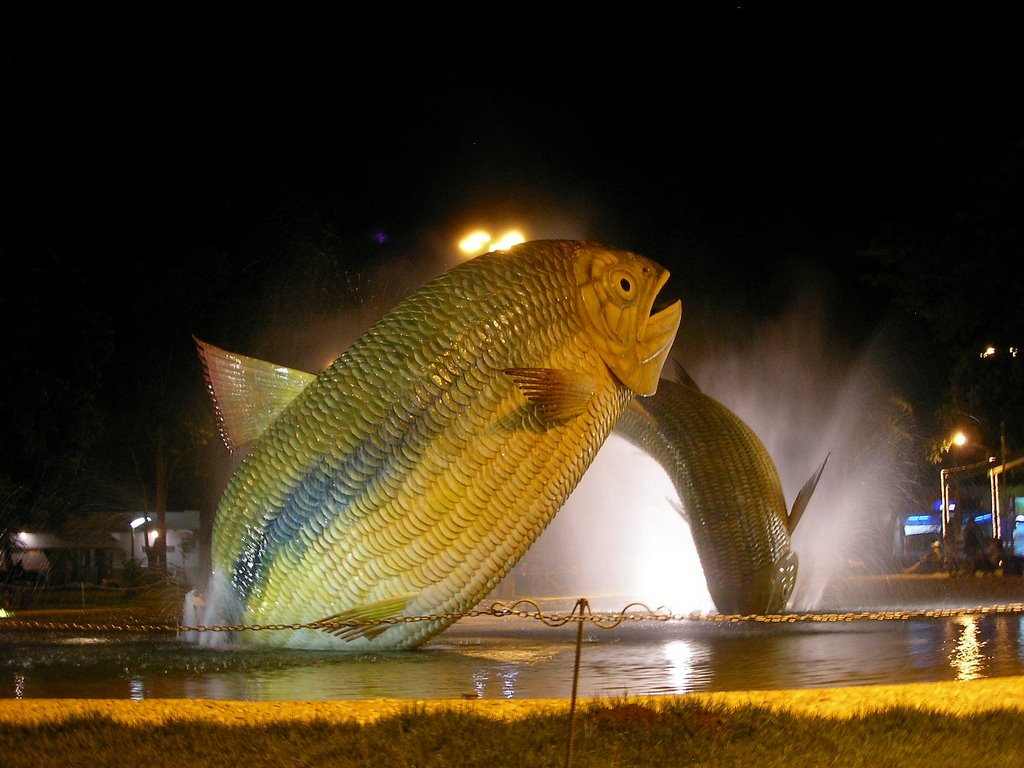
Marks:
<point>398,486</point>
<point>729,492</point>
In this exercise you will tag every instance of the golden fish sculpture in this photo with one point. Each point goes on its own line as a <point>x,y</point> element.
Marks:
<point>406,479</point>
<point>729,492</point>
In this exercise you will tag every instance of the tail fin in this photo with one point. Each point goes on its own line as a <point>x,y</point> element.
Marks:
<point>804,497</point>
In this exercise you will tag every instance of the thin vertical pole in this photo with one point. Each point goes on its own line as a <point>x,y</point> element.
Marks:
<point>582,605</point>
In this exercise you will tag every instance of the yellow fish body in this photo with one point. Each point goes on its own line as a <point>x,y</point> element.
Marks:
<point>729,493</point>
<point>407,478</point>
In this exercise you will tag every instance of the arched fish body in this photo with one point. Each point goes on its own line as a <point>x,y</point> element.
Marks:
<point>407,478</point>
<point>729,491</point>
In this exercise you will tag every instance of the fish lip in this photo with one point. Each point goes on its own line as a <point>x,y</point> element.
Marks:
<point>656,333</point>
<point>650,314</point>
<point>665,324</point>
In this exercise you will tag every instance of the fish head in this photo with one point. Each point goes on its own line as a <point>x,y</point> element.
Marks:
<point>619,289</point>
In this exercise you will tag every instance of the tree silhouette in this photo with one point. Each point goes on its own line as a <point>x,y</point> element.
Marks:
<point>57,344</point>
<point>954,267</point>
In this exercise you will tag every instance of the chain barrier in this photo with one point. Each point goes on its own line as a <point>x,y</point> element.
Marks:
<point>531,609</point>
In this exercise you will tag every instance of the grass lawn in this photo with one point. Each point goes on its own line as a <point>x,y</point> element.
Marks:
<point>680,731</point>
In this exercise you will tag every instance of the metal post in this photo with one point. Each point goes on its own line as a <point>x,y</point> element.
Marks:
<point>997,518</point>
<point>583,606</point>
<point>996,488</point>
<point>944,476</point>
<point>944,495</point>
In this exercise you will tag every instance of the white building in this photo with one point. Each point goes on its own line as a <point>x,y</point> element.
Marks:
<point>98,547</point>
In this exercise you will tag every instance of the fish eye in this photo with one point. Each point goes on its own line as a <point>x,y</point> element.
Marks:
<point>621,283</point>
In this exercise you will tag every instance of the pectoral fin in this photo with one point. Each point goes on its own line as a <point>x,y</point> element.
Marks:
<point>558,395</point>
<point>804,497</point>
<point>371,613</point>
<point>247,393</point>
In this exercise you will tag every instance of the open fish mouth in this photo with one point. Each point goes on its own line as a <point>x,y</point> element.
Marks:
<point>658,334</point>
<point>655,337</point>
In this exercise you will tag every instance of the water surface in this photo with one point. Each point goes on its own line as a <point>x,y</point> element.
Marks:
<point>513,657</point>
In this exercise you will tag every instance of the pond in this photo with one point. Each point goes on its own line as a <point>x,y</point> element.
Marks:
<point>513,656</point>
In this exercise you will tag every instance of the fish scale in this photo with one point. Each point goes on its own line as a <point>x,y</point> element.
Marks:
<point>419,443</point>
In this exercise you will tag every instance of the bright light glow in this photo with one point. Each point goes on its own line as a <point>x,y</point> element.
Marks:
<point>479,242</point>
<point>1014,351</point>
<point>916,529</point>
<point>967,657</point>
<point>506,241</point>
<point>618,539</point>
<point>679,654</point>
<point>921,519</point>
<point>989,351</point>
<point>134,524</point>
<point>475,243</point>
<point>959,439</point>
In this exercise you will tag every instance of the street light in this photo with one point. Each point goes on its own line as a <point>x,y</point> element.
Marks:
<point>135,524</point>
<point>479,241</point>
<point>960,439</point>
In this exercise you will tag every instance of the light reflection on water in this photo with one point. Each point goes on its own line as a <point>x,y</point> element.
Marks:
<point>679,654</point>
<point>490,657</point>
<point>966,657</point>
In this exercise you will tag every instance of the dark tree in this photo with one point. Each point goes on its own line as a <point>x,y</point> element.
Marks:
<point>954,267</point>
<point>58,344</point>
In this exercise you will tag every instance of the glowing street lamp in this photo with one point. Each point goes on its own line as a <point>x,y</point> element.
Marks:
<point>507,240</point>
<point>960,439</point>
<point>475,243</point>
<point>479,241</point>
<point>138,522</point>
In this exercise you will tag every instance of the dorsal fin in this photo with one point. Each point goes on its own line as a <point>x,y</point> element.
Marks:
<point>804,496</point>
<point>247,393</point>
<point>683,377</point>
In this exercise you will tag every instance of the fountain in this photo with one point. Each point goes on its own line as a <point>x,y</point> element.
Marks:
<point>804,396</point>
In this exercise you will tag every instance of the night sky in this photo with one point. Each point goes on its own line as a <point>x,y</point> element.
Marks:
<point>753,153</point>
<point>722,162</point>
